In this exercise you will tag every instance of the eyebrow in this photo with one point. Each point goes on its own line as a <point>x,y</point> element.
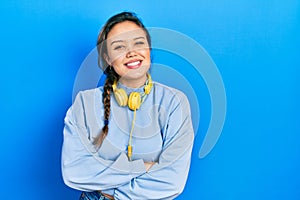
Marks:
<point>116,41</point>
<point>141,37</point>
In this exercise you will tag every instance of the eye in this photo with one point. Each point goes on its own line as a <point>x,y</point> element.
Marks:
<point>139,43</point>
<point>119,47</point>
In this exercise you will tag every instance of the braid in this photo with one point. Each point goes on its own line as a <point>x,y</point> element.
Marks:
<point>107,89</point>
<point>108,70</point>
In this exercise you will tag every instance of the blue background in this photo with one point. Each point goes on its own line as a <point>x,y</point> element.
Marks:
<point>255,45</point>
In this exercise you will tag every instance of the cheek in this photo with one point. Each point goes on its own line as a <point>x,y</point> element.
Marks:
<point>115,59</point>
<point>146,53</point>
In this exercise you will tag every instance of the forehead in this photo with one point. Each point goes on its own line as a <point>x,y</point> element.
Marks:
<point>125,31</point>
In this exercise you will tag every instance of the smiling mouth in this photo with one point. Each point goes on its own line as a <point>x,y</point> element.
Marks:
<point>133,64</point>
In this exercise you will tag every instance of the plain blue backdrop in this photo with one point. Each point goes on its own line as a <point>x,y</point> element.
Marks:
<point>255,44</point>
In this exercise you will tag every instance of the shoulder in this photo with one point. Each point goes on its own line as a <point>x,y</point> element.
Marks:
<point>90,92</point>
<point>169,94</point>
<point>87,96</point>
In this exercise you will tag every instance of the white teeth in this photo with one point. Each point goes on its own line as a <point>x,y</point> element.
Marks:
<point>133,63</point>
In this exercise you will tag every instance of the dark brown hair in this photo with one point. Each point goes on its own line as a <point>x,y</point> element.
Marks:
<point>109,71</point>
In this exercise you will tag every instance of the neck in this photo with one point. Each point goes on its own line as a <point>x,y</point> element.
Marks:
<point>133,83</point>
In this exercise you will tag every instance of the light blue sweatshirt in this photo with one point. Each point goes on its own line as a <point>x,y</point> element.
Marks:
<point>163,133</point>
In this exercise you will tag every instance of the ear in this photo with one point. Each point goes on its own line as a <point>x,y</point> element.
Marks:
<point>106,57</point>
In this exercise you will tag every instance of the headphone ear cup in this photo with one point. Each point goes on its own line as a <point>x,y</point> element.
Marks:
<point>134,101</point>
<point>121,97</point>
<point>147,89</point>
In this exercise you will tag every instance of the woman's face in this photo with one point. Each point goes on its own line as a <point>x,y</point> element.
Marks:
<point>128,52</point>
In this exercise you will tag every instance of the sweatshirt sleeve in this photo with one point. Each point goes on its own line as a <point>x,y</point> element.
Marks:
<point>82,167</point>
<point>166,179</point>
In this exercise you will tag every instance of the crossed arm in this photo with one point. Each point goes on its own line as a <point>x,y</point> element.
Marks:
<point>84,170</point>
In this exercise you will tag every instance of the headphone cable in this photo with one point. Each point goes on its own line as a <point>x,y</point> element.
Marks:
<point>129,148</point>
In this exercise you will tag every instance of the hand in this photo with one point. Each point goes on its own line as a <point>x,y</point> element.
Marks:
<point>148,165</point>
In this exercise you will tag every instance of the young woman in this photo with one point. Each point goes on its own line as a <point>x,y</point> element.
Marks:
<point>131,138</point>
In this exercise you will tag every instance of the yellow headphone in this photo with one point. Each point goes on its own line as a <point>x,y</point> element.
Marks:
<point>134,101</point>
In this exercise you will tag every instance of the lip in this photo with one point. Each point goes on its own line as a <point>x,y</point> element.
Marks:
<point>133,64</point>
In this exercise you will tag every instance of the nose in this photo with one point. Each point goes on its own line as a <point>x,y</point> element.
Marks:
<point>130,52</point>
